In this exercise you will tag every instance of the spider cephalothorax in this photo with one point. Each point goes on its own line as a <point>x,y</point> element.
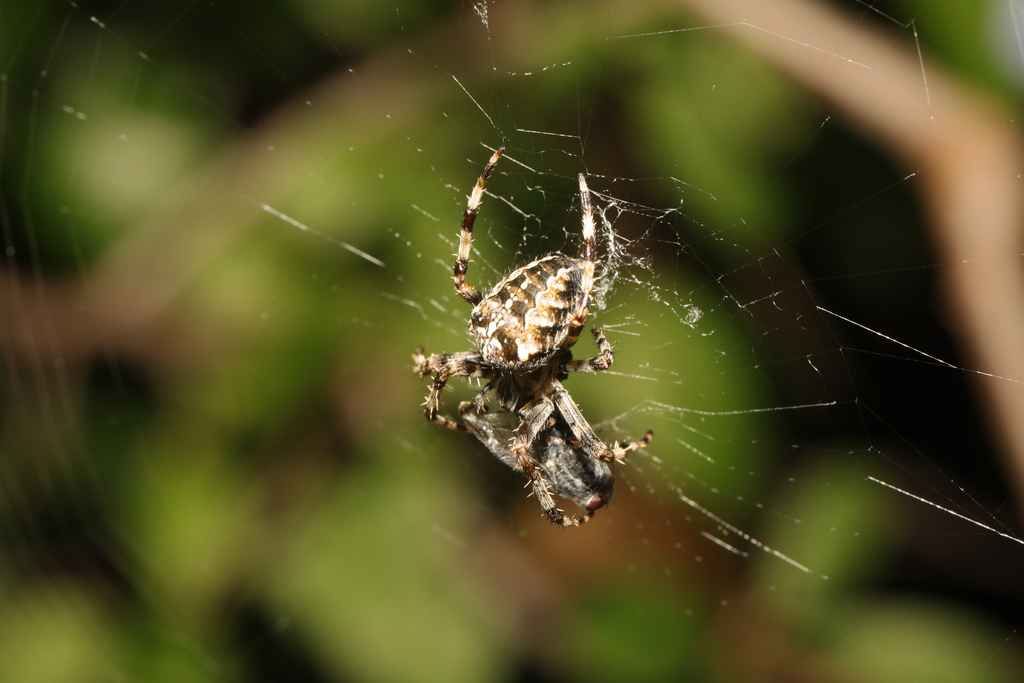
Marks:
<point>524,329</point>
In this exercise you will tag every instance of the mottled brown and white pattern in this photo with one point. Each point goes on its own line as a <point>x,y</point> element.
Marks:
<point>527,316</point>
<point>525,328</point>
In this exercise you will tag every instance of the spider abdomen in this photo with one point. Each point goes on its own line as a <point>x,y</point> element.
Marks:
<point>533,312</point>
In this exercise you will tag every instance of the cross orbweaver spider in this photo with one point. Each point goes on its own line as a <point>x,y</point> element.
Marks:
<point>524,328</point>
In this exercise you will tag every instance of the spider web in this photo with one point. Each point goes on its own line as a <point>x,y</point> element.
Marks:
<point>226,228</point>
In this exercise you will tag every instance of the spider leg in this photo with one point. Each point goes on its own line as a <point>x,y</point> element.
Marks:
<point>586,263</point>
<point>465,290</point>
<point>468,406</point>
<point>464,407</point>
<point>581,429</point>
<point>620,450</point>
<point>444,366</point>
<point>589,228</point>
<point>532,420</point>
<point>598,363</point>
<point>448,422</point>
<point>480,400</point>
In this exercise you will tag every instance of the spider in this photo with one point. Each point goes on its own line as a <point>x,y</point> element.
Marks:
<point>569,472</point>
<point>525,328</point>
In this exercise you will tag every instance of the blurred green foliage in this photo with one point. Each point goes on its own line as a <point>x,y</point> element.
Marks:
<point>214,467</point>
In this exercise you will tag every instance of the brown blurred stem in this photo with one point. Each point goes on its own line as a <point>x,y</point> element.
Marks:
<point>967,162</point>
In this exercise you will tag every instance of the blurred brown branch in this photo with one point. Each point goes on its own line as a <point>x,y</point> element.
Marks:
<point>956,142</point>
